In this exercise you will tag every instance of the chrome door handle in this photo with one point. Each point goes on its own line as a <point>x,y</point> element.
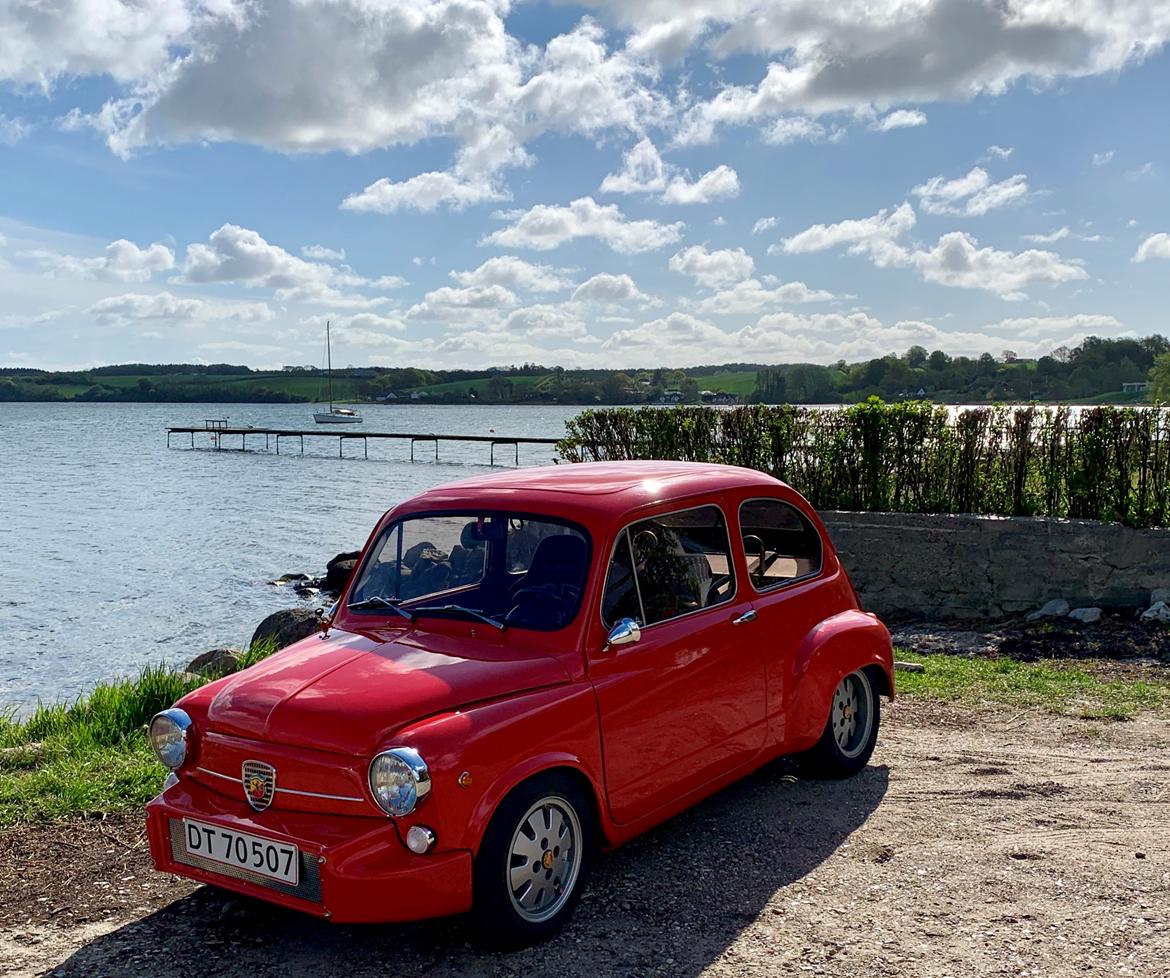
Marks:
<point>744,618</point>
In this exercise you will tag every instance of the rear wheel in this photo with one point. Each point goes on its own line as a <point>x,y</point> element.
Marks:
<point>532,863</point>
<point>851,730</point>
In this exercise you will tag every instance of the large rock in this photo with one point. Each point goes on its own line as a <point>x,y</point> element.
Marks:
<point>1159,612</point>
<point>1087,616</point>
<point>1056,608</point>
<point>217,662</point>
<point>287,626</point>
<point>348,555</point>
<point>1160,594</point>
<point>336,575</point>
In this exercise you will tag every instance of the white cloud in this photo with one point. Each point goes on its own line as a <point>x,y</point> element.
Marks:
<point>1063,328</point>
<point>874,236</point>
<point>13,130</point>
<point>713,268</point>
<point>425,193</point>
<point>241,255</point>
<point>1100,159</point>
<point>1145,170</point>
<point>971,195</point>
<point>516,274</point>
<point>764,224</point>
<point>1155,246</point>
<point>123,261</point>
<point>958,261</point>
<point>642,172</point>
<point>717,184</point>
<point>128,41</point>
<point>751,298</point>
<point>546,321</point>
<point>365,329</point>
<point>473,303</point>
<point>798,128</point>
<point>136,307</point>
<point>321,253</point>
<point>857,56</point>
<point>605,288</point>
<point>1060,234</point>
<point>547,226</point>
<point>1000,152</point>
<point>899,119</point>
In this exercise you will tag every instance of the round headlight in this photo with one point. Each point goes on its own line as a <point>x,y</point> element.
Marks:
<point>168,737</point>
<point>399,780</point>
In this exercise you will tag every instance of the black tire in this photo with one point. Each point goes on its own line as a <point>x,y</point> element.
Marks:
<point>496,917</point>
<point>842,752</point>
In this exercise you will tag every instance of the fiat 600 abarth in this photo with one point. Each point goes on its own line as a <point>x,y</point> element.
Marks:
<point>523,668</point>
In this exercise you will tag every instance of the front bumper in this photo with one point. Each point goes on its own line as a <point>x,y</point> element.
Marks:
<point>353,869</point>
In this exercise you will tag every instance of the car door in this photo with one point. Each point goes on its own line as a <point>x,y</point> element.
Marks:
<point>686,701</point>
<point>784,562</point>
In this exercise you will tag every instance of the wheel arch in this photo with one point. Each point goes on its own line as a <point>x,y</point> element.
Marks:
<point>852,641</point>
<point>522,774</point>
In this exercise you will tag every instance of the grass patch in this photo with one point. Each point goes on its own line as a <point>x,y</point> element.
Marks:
<point>1071,689</point>
<point>92,756</point>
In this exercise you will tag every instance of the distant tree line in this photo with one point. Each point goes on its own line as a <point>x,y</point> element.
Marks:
<point>1094,368</point>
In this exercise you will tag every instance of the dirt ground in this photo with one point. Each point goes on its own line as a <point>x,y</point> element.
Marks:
<point>990,845</point>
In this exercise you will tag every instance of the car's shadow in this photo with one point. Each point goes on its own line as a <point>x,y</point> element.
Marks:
<point>670,902</point>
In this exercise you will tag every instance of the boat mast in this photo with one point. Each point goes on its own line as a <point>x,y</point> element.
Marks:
<point>329,364</point>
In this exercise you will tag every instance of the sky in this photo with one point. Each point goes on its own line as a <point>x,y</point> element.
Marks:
<point>470,183</point>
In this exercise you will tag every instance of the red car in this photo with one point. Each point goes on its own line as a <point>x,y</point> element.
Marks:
<point>524,667</point>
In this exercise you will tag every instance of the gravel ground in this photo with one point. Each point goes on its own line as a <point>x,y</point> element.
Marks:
<point>989,845</point>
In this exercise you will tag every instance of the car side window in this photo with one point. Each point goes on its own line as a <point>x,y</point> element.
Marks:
<point>780,544</point>
<point>668,566</point>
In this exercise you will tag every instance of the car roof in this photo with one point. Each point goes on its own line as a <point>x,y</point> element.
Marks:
<point>612,486</point>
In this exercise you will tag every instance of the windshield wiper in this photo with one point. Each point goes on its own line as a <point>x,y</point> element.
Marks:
<point>377,601</point>
<point>459,611</point>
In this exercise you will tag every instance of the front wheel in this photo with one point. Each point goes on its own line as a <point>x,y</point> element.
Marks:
<point>532,864</point>
<point>851,730</point>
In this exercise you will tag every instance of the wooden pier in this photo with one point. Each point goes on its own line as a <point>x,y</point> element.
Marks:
<point>218,430</point>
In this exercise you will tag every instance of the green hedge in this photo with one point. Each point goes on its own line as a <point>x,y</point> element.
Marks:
<point>1101,463</point>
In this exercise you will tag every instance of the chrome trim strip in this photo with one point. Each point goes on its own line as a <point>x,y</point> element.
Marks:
<point>284,791</point>
<point>216,774</point>
<point>315,794</point>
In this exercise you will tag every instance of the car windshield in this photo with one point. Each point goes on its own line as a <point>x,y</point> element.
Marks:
<point>516,569</point>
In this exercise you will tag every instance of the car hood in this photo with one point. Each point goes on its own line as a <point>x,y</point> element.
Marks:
<point>346,693</point>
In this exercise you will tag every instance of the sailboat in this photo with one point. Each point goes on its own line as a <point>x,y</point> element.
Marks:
<point>334,415</point>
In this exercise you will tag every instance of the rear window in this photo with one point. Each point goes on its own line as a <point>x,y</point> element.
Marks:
<point>780,544</point>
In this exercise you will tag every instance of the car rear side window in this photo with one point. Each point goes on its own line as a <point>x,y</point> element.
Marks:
<point>780,544</point>
<point>668,566</point>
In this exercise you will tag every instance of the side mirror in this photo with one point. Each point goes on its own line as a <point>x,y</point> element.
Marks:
<point>625,632</point>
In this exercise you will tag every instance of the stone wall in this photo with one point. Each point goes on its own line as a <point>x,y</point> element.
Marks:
<point>985,567</point>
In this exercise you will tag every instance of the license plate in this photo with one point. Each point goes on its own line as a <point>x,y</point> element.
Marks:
<point>276,860</point>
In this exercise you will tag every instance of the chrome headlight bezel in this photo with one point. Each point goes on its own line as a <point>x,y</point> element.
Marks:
<point>170,734</point>
<point>399,780</point>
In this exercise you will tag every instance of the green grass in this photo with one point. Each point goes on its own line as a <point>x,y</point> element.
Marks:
<point>1067,688</point>
<point>92,756</point>
<point>741,382</point>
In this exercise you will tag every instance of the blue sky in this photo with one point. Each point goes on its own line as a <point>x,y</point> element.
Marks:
<point>472,182</point>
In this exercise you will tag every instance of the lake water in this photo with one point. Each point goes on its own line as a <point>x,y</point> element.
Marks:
<point>120,552</point>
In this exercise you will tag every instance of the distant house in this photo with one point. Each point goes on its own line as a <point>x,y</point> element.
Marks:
<point>1135,387</point>
<point>718,397</point>
<point>671,396</point>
